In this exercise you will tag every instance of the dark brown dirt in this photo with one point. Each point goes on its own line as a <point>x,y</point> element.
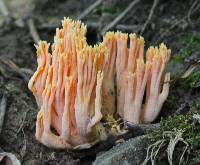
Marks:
<point>16,45</point>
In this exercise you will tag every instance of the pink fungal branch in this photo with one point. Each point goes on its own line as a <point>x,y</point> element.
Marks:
<point>68,87</point>
<point>134,77</point>
<point>76,85</point>
<point>109,93</point>
<point>158,57</point>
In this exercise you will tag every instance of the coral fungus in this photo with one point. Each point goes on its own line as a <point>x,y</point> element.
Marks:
<point>74,85</point>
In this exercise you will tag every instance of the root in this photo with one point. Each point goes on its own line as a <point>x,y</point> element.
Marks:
<point>170,140</point>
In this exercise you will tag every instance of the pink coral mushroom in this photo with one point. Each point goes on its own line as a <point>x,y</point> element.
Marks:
<point>74,85</point>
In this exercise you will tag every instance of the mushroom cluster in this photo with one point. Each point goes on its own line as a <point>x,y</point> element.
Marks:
<point>77,85</point>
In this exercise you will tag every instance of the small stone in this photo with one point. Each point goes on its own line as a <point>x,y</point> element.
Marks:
<point>131,152</point>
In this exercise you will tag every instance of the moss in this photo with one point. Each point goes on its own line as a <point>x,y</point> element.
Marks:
<point>112,124</point>
<point>193,79</point>
<point>190,82</point>
<point>195,106</point>
<point>189,44</point>
<point>188,128</point>
<point>98,133</point>
<point>173,98</point>
<point>178,122</point>
<point>190,40</point>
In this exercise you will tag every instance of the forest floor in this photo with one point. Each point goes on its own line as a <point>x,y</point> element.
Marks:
<point>176,23</point>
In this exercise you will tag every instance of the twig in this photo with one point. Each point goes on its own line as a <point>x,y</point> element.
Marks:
<point>192,8</point>
<point>22,124</point>
<point>131,28</point>
<point>5,12</point>
<point>3,105</point>
<point>170,28</point>
<point>196,8</point>
<point>89,9</point>
<point>190,69</point>
<point>95,25</point>
<point>130,125</point>
<point>119,17</point>
<point>15,69</point>
<point>155,2</point>
<point>33,30</point>
<point>23,149</point>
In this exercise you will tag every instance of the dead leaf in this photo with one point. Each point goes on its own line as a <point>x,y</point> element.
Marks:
<point>8,159</point>
<point>190,69</point>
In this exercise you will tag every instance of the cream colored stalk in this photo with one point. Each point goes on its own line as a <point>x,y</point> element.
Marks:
<point>158,57</point>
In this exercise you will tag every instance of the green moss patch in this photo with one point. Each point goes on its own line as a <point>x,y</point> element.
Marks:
<point>177,141</point>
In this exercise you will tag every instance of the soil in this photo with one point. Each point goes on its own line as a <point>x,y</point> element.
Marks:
<point>18,62</point>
